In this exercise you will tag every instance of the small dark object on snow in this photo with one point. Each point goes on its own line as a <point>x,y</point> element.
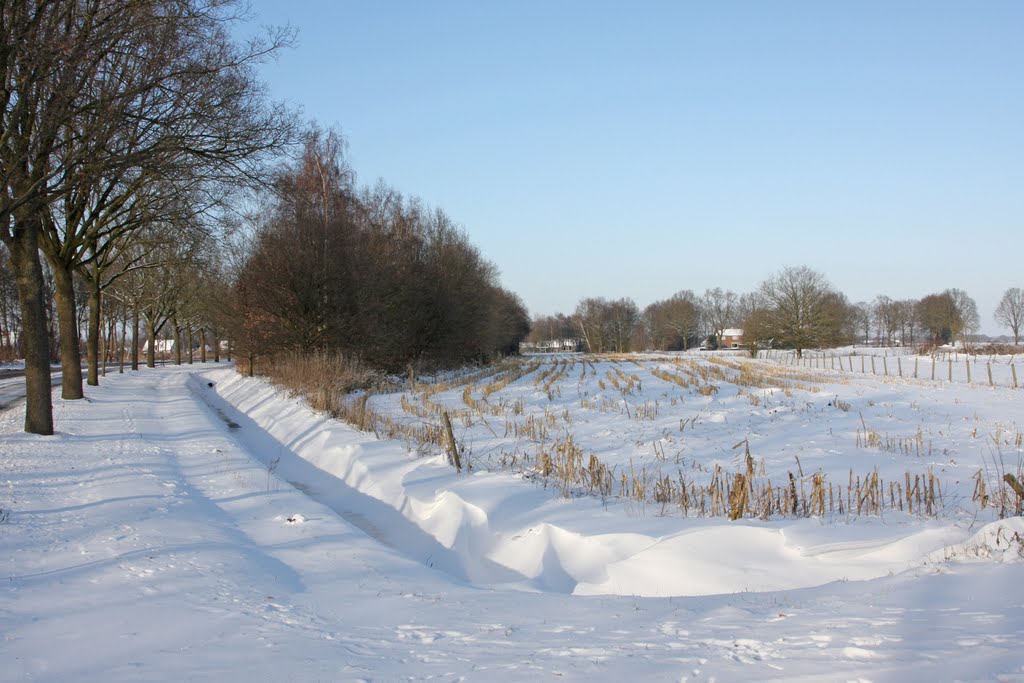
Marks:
<point>209,384</point>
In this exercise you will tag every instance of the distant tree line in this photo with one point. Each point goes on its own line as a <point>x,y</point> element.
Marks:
<point>367,273</point>
<point>797,308</point>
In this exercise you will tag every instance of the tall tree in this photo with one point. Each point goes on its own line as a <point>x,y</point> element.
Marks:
<point>757,323</point>
<point>718,307</point>
<point>802,306</point>
<point>591,318</point>
<point>1010,311</point>
<point>623,317</point>
<point>863,315</point>
<point>673,323</point>
<point>908,320</point>
<point>969,317</point>
<point>948,316</point>
<point>887,323</point>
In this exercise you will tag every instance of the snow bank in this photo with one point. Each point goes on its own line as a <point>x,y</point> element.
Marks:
<point>1000,542</point>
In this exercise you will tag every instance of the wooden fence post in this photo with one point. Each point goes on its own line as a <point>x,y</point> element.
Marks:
<point>453,449</point>
<point>1013,370</point>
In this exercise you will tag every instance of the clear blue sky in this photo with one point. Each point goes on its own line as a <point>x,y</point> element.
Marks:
<point>635,149</point>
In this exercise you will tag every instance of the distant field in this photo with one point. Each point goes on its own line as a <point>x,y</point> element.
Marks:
<point>833,434</point>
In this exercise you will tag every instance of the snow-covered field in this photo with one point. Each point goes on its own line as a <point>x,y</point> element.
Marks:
<point>192,524</point>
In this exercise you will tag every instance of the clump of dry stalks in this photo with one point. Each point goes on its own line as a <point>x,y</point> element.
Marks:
<point>748,492</point>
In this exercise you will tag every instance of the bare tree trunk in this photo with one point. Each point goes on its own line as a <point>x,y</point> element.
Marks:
<point>151,343</point>
<point>191,355</point>
<point>109,342</point>
<point>52,329</point>
<point>28,274</point>
<point>202,347</point>
<point>135,338</point>
<point>92,340</point>
<point>124,339</point>
<point>177,340</point>
<point>216,347</point>
<point>70,353</point>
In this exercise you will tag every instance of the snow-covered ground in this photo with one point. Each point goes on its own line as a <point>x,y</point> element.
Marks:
<point>192,524</point>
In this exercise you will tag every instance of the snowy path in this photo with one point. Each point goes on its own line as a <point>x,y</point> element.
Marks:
<point>146,542</point>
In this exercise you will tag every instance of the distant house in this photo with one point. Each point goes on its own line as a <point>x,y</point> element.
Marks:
<point>164,345</point>
<point>732,338</point>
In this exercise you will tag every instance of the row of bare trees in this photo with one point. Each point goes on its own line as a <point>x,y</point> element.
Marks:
<point>797,307</point>
<point>367,273</point>
<point>939,318</point>
<point>125,126</point>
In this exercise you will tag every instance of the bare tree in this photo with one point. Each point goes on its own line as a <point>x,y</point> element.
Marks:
<point>656,333</point>
<point>1010,311</point>
<point>590,319</point>
<point>682,316</point>
<point>936,311</point>
<point>886,314</point>
<point>756,319</point>
<point>969,317</point>
<point>801,305</point>
<point>863,315</point>
<point>623,317</point>
<point>719,310</point>
<point>908,320</point>
<point>948,316</point>
<point>673,323</point>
